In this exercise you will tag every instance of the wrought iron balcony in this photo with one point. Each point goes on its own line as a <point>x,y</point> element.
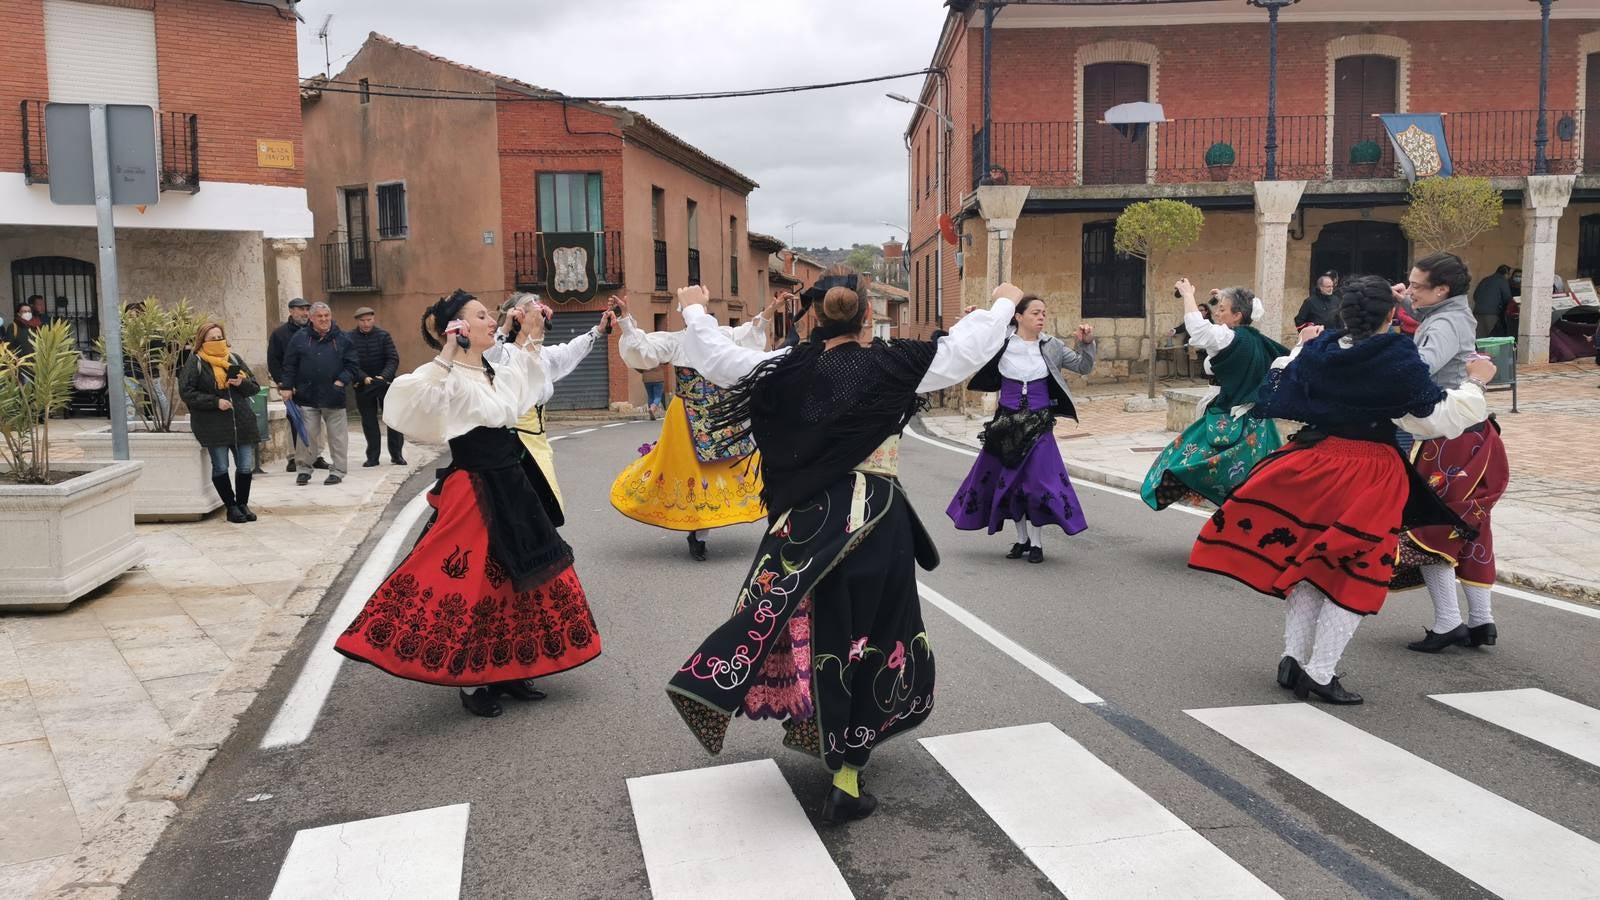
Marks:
<point>527,260</point>
<point>347,266</point>
<point>180,148</point>
<point>1233,148</point>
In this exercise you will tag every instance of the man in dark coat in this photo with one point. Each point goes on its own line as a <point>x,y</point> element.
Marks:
<point>1489,301</point>
<point>1321,308</point>
<point>317,367</point>
<point>379,361</point>
<point>277,345</point>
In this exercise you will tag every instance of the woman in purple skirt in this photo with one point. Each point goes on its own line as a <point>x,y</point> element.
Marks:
<point>1019,475</point>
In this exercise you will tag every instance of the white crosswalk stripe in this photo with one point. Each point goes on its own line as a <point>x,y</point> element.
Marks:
<point>733,831</point>
<point>416,855</point>
<point>1507,849</point>
<point>1552,720</point>
<point>1091,831</point>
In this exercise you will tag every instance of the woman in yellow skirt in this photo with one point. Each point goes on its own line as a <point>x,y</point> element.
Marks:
<point>689,480</point>
<point>554,363</point>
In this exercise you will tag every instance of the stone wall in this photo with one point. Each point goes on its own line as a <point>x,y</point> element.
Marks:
<point>221,273</point>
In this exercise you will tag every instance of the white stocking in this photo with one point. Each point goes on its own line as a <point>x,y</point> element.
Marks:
<point>1335,627</point>
<point>1036,536</point>
<point>701,534</point>
<point>1022,531</point>
<point>1441,581</point>
<point>1300,622</point>
<point>1478,612</point>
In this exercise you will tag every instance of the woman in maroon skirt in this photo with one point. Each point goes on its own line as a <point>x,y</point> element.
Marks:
<point>1318,523</point>
<point>487,599</point>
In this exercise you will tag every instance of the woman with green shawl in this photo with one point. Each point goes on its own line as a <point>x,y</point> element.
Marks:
<point>1214,454</point>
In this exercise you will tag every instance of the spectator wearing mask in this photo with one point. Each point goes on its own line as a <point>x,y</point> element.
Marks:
<point>319,364</point>
<point>378,361</point>
<point>277,346</point>
<point>1489,301</point>
<point>19,334</point>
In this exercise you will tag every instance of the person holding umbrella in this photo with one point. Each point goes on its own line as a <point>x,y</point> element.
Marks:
<point>319,364</point>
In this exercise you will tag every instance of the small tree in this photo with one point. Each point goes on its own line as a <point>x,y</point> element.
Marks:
<point>155,340</point>
<point>1448,213</point>
<point>1151,230</point>
<point>33,386</point>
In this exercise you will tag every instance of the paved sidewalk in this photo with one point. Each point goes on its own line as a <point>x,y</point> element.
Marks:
<point>1546,528</point>
<point>90,696</point>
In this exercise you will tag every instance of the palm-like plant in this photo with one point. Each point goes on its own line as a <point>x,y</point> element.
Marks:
<point>32,387</point>
<point>154,340</point>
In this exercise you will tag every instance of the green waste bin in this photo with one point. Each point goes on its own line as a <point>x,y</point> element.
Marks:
<point>1502,351</point>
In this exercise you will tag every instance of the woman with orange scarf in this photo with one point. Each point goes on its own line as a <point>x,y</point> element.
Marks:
<point>217,386</point>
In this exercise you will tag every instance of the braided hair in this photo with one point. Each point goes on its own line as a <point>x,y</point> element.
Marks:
<point>1365,304</point>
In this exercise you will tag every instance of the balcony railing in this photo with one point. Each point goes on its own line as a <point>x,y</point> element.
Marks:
<point>661,265</point>
<point>694,266</point>
<point>1309,147</point>
<point>527,260</point>
<point>347,266</point>
<point>179,138</point>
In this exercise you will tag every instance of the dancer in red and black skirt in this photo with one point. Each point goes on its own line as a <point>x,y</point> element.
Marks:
<point>1468,472</point>
<point>487,599</point>
<point>1318,523</point>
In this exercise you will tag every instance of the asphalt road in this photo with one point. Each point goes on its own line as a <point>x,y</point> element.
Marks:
<point>1114,609</point>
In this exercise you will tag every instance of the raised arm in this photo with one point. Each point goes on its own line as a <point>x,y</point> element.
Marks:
<point>418,404</point>
<point>712,351</point>
<point>646,349</point>
<point>561,359</point>
<point>972,342</point>
<point>1461,408</point>
<point>1082,359</point>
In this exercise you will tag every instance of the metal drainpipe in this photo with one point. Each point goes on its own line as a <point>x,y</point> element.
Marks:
<point>990,10</point>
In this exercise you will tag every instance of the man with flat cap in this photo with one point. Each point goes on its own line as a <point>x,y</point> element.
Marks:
<point>379,361</point>
<point>299,318</point>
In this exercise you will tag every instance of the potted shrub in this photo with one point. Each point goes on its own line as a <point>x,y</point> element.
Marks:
<point>176,485</point>
<point>1219,160</point>
<point>70,524</point>
<point>1364,156</point>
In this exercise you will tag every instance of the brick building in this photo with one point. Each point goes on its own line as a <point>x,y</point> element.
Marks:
<point>231,222</point>
<point>1057,178</point>
<point>414,197</point>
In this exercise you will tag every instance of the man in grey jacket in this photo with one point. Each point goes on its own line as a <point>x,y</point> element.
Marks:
<point>1447,335</point>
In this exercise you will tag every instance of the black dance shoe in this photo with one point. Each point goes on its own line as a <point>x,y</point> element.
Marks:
<point>697,549</point>
<point>1483,635</point>
<point>840,807</point>
<point>480,703</point>
<point>1332,692</point>
<point>521,689</point>
<point>1018,551</point>
<point>1288,672</point>
<point>1433,643</point>
<point>1036,554</point>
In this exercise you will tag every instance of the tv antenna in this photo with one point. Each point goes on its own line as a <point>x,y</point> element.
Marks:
<point>322,35</point>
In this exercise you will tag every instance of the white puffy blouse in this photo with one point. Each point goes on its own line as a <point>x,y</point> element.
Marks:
<point>432,404</point>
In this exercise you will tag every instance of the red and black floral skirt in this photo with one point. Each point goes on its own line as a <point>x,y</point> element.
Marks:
<point>449,614</point>
<point>1328,514</point>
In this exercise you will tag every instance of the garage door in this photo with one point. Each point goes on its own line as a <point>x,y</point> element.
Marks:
<point>589,385</point>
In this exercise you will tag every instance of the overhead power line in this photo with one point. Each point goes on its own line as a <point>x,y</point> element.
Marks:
<point>412,92</point>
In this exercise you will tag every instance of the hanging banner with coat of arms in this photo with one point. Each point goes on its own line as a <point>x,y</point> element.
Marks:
<point>570,265</point>
<point>1419,144</point>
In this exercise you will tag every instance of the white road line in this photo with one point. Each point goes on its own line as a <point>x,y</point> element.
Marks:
<point>1507,590</point>
<point>1092,832</point>
<point>300,709</point>
<point>1057,679</point>
<point>1550,719</point>
<point>557,437</point>
<point>730,831</point>
<point>616,425</point>
<point>416,855</point>
<point>1507,849</point>
<point>581,431</point>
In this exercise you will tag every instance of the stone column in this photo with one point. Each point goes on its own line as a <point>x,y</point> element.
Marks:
<point>1276,202</point>
<point>1543,202</point>
<point>1000,208</point>
<point>286,254</point>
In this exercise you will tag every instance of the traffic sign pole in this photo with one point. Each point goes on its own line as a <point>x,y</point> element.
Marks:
<point>110,295</point>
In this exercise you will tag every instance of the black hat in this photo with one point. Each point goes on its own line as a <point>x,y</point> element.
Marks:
<point>299,303</point>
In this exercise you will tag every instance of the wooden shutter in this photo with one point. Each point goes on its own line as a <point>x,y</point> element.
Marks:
<point>1363,86</point>
<point>1108,156</point>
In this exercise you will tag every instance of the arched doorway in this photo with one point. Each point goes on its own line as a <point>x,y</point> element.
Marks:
<point>69,290</point>
<point>1361,247</point>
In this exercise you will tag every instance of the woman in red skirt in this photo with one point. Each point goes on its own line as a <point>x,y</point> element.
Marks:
<point>487,599</point>
<point>1318,522</point>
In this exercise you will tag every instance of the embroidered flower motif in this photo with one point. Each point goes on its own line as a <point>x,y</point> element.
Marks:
<point>858,648</point>
<point>645,449</point>
<point>765,579</point>
<point>897,659</point>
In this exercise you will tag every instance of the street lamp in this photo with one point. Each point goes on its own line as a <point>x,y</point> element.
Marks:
<point>947,128</point>
<point>1541,137</point>
<point>1272,7</point>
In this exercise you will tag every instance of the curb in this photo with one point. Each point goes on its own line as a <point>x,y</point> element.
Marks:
<point>118,843</point>
<point>1576,592</point>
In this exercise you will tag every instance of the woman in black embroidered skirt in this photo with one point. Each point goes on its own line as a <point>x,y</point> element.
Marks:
<point>487,599</point>
<point>827,633</point>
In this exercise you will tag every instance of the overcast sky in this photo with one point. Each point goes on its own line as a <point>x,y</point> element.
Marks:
<point>835,160</point>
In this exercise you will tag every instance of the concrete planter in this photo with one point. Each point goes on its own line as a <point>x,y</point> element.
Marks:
<point>176,483</point>
<point>77,534</point>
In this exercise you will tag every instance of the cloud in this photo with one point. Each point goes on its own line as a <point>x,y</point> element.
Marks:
<point>835,160</point>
